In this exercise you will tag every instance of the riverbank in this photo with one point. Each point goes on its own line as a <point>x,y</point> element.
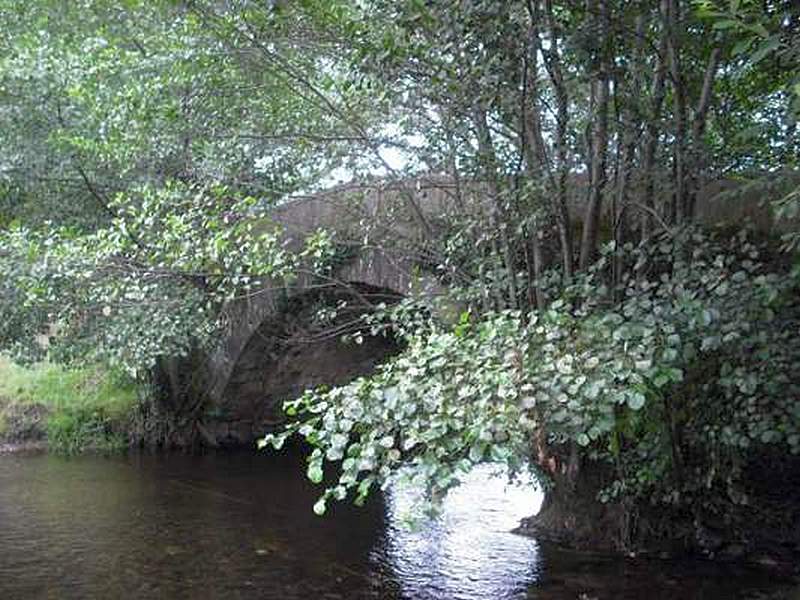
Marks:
<point>23,448</point>
<point>761,531</point>
<point>22,426</point>
<point>45,406</point>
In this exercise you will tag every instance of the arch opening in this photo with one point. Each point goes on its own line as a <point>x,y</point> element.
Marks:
<point>318,338</point>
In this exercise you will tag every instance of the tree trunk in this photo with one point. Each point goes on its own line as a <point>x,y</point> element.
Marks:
<point>552,61</point>
<point>499,220</point>
<point>680,203</point>
<point>571,513</point>
<point>171,415</point>
<point>591,220</point>
<point>698,129</point>
<point>651,134</point>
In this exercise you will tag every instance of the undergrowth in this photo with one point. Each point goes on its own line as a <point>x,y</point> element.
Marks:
<point>86,409</point>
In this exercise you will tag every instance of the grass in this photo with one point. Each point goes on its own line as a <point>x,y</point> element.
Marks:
<point>85,408</point>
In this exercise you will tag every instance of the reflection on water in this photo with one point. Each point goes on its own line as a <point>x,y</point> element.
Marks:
<point>241,526</point>
<point>468,551</point>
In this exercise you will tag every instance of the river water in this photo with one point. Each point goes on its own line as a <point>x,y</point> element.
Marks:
<point>240,525</point>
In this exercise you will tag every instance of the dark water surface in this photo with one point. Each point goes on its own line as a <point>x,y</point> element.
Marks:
<point>240,526</point>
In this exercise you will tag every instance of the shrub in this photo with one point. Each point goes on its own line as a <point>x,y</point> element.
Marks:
<point>674,376</point>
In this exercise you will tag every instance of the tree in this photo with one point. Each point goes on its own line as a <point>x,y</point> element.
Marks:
<point>149,142</point>
<point>138,143</point>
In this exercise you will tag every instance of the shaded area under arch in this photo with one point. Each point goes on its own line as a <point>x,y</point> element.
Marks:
<point>295,350</point>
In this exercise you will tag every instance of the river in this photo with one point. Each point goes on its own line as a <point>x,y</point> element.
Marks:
<point>240,525</point>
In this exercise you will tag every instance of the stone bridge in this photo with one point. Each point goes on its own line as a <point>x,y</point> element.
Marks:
<point>269,351</point>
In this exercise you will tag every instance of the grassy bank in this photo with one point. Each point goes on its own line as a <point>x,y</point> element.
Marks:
<point>72,410</point>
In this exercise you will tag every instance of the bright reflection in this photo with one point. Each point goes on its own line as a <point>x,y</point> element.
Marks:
<point>468,551</point>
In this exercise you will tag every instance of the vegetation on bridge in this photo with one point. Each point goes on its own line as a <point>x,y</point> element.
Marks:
<point>640,362</point>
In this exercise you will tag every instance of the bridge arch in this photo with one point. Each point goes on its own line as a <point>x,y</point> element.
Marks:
<point>273,349</point>
<point>263,315</point>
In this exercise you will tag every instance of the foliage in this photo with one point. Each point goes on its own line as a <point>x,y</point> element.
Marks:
<point>764,32</point>
<point>763,94</point>
<point>99,97</point>
<point>128,161</point>
<point>133,190</point>
<point>659,379</point>
<point>151,283</point>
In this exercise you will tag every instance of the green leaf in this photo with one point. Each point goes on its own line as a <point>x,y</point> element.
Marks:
<point>742,46</point>
<point>320,506</point>
<point>636,400</point>
<point>725,24</point>
<point>476,451</point>
<point>314,472</point>
<point>765,49</point>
